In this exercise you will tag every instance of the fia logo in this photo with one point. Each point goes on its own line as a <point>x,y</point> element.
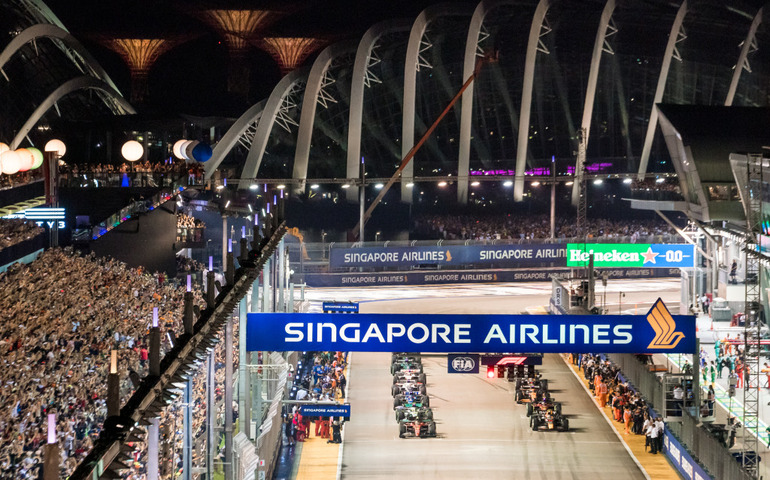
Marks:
<point>463,364</point>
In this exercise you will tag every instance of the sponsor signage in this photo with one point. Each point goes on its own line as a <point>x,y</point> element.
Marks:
<point>325,410</point>
<point>443,277</point>
<point>658,331</point>
<point>463,363</point>
<point>43,216</point>
<point>339,307</point>
<point>512,359</point>
<point>633,255</point>
<point>501,255</point>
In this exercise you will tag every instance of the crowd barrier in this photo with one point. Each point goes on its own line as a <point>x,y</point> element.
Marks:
<point>693,445</point>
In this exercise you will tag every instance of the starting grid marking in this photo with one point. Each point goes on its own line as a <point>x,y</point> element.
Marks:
<point>737,409</point>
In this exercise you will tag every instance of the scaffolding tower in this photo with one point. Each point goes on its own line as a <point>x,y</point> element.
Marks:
<point>753,315</point>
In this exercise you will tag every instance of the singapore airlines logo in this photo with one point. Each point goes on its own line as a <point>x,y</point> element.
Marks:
<point>666,336</point>
<point>448,256</point>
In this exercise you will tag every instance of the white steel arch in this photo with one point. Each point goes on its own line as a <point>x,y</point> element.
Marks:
<point>79,83</point>
<point>526,97</point>
<point>45,30</point>
<point>266,122</point>
<point>411,66</point>
<point>743,59</point>
<point>593,77</point>
<point>357,86</point>
<point>472,51</point>
<point>673,38</point>
<point>307,116</point>
<point>241,131</point>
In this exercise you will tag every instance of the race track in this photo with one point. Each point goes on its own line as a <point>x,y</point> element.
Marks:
<point>482,433</point>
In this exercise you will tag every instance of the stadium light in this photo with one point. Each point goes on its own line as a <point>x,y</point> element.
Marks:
<point>569,183</point>
<point>253,186</point>
<point>315,186</point>
<point>508,183</point>
<point>442,184</point>
<point>409,185</point>
<point>379,186</point>
<point>660,180</point>
<point>475,184</point>
<point>535,184</point>
<point>598,181</point>
<point>627,181</point>
<point>347,185</point>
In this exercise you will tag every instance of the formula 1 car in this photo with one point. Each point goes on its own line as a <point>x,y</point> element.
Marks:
<point>543,404</point>
<point>411,399</point>
<point>408,376</point>
<point>405,357</point>
<point>408,387</point>
<point>420,426</point>
<point>411,413</point>
<point>549,419</point>
<point>527,389</point>
<point>405,365</point>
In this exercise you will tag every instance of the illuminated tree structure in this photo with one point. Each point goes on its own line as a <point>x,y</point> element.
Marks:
<point>139,54</point>
<point>238,27</point>
<point>290,52</point>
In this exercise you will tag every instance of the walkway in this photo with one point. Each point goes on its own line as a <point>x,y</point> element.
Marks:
<point>657,467</point>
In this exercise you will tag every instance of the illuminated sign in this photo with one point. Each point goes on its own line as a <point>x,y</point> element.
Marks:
<point>642,255</point>
<point>42,216</point>
<point>658,331</point>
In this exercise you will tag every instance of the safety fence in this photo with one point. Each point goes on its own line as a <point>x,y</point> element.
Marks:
<point>269,440</point>
<point>699,442</point>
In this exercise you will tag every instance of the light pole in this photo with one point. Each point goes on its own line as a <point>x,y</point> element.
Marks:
<point>323,244</point>
<point>377,236</point>
<point>620,302</point>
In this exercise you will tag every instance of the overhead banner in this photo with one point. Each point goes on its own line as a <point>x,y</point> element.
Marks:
<point>644,255</point>
<point>310,410</point>
<point>508,256</point>
<point>656,332</point>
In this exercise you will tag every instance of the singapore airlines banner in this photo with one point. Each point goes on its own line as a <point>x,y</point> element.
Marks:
<point>656,332</point>
<point>453,255</point>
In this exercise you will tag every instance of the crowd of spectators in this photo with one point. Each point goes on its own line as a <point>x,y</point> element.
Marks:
<point>189,229</point>
<point>627,406</point>
<point>322,378</point>
<point>656,189</point>
<point>136,174</point>
<point>521,227</point>
<point>61,316</point>
<point>17,230</point>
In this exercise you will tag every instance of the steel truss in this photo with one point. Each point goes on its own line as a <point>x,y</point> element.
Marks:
<point>753,316</point>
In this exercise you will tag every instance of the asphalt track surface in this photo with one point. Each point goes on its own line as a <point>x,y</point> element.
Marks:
<point>482,433</point>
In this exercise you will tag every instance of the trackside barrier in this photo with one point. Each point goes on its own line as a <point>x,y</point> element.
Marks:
<point>269,440</point>
<point>694,444</point>
<point>699,445</point>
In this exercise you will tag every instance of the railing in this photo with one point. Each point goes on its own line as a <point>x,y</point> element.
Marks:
<point>125,213</point>
<point>707,449</point>
<point>704,447</point>
<point>94,179</point>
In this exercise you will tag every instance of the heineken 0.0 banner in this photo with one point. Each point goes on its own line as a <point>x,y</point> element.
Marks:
<point>643,255</point>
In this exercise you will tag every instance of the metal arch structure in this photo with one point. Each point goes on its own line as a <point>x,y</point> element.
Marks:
<point>266,122</point>
<point>749,45</point>
<point>472,50</point>
<point>673,38</point>
<point>46,12</point>
<point>42,30</point>
<point>79,83</point>
<point>242,131</point>
<point>526,97</point>
<point>593,78</point>
<point>314,88</point>
<point>411,67</point>
<point>357,87</point>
